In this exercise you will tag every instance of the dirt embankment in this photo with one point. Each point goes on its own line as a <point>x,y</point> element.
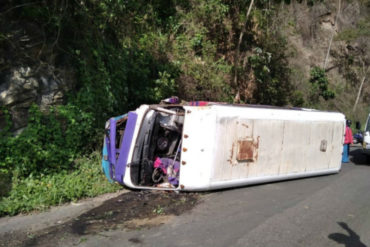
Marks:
<point>129,211</point>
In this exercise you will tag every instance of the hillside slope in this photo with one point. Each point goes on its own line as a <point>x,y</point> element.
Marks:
<point>190,49</point>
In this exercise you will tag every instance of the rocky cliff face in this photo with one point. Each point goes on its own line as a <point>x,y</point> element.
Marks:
<point>29,72</point>
<point>20,87</point>
<point>318,25</point>
<point>310,32</point>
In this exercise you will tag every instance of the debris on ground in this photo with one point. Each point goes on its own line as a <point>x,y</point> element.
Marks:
<point>134,210</point>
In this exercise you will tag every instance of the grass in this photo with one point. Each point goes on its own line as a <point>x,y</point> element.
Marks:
<point>41,192</point>
<point>158,210</point>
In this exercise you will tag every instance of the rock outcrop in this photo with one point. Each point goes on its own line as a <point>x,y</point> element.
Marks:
<point>22,86</point>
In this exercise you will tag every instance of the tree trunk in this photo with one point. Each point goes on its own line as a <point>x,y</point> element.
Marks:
<point>332,36</point>
<point>360,89</point>
<point>237,54</point>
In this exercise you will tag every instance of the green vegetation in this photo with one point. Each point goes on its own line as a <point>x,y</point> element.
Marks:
<point>41,191</point>
<point>116,69</point>
<point>50,143</point>
<point>158,210</point>
<point>44,165</point>
<point>319,86</point>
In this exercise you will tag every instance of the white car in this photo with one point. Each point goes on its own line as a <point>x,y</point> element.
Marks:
<point>366,141</point>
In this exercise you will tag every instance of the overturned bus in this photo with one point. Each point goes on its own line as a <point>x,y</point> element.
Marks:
<point>206,146</point>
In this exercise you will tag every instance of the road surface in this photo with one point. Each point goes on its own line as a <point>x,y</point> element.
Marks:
<point>329,210</point>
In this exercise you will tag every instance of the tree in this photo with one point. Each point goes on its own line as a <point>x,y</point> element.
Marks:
<point>332,36</point>
<point>364,73</point>
<point>354,61</point>
<point>319,85</point>
<point>237,52</point>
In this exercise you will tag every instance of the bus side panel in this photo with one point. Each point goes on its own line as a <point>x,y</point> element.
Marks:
<point>262,139</point>
<point>337,145</point>
<point>296,142</point>
<point>247,147</point>
<point>270,147</point>
<point>228,129</point>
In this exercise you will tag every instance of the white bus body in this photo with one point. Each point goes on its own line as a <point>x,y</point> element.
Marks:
<point>221,146</point>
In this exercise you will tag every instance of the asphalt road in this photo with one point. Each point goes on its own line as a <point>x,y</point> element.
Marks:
<point>329,211</point>
<point>321,211</point>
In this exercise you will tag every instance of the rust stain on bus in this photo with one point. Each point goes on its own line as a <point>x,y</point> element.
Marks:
<point>248,149</point>
<point>230,160</point>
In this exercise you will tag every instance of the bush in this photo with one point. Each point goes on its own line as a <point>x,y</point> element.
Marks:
<point>271,75</point>
<point>50,142</point>
<point>319,85</point>
<point>40,192</point>
<point>297,99</point>
<point>5,183</point>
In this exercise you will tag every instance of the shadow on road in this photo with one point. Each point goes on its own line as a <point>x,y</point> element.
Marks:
<point>351,240</point>
<point>358,157</point>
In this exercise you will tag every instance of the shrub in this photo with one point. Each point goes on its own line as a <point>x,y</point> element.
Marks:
<point>40,192</point>
<point>319,85</point>
<point>50,142</point>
